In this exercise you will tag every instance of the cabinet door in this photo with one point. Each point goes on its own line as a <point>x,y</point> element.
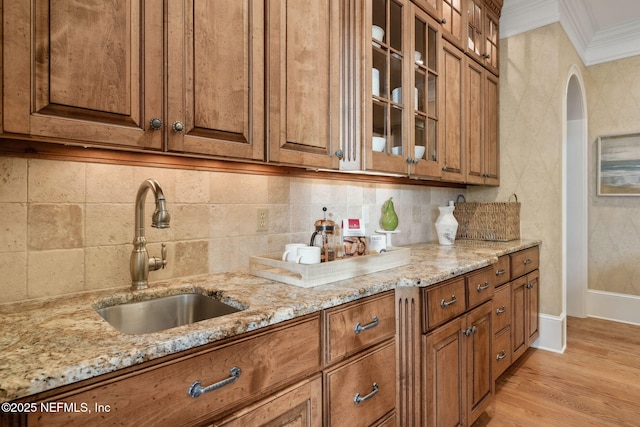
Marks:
<point>453,23</point>
<point>424,144</point>
<point>445,375</point>
<point>518,319</point>
<point>300,405</point>
<point>475,26</point>
<point>475,105</point>
<point>491,53</point>
<point>533,306</point>
<point>479,360</point>
<point>452,123</point>
<point>84,72</point>
<point>304,82</point>
<point>216,78</point>
<point>491,169</point>
<point>387,92</point>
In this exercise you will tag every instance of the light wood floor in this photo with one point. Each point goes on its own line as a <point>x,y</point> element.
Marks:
<point>596,382</point>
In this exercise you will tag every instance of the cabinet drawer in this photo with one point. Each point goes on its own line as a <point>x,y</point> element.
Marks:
<point>159,395</point>
<point>480,286</point>
<point>355,326</point>
<point>502,270</point>
<point>502,352</point>
<point>444,302</point>
<point>372,379</point>
<point>524,262</point>
<point>502,307</point>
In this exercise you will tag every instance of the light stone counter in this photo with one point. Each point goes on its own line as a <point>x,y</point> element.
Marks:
<point>52,342</point>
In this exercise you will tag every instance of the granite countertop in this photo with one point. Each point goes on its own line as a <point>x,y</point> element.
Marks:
<point>52,342</point>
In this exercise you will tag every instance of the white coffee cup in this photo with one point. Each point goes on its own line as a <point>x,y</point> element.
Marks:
<point>291,251</point>
<point>375,81</point>
<point>308,255</point>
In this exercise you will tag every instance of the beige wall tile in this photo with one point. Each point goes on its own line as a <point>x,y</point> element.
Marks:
<point>107,267</point>
<point>56,272</point>
<point>13,227</point>
<point>13,286</point>
<point>109,224</point>
<point>13,180</point>
<point>57,182</point>
<point>190,221</point>
<point>191,258</point>
<point>55,226</point>
<point>110,184</point>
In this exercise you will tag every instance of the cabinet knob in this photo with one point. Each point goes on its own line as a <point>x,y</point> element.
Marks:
<point>443,21</point>
<point>155,123</point>
<point>178,126</point>
<point>409,160</point>
<point>486,56</point>
<point>339,154</point>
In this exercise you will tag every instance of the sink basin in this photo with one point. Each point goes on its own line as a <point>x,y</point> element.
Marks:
<point>162,313</point>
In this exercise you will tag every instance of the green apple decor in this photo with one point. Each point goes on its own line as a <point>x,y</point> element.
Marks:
<point>389,220</point>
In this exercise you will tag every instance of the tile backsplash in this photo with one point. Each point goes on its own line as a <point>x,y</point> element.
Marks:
<point>68,226</point>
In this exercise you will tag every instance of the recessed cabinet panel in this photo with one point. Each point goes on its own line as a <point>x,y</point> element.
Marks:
<point>93,76</point>
<point>452,116</point>
<point>217,91</point>
<point>304,82</point>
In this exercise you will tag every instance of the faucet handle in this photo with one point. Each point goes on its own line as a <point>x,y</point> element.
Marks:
<point>156,263</point>
<point>163,254</point>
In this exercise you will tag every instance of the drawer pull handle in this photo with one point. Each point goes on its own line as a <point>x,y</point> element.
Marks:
<point>445,304</point>
<point>357,399</point>
<point>481,288</point>
<point>528,261</point>
<point>501,355</point>
<point>359,328</point>
<point>530,285</point>
<point>501,310</point>
<point>196,389</point>
<point>500,272</point>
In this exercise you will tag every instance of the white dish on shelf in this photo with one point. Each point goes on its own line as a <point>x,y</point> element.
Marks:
<point>396,150</point>
<point>419,151</point>
<point>378,143</point>
<point>396,95</point>
<point>377,33</point>
<point>375,81</point>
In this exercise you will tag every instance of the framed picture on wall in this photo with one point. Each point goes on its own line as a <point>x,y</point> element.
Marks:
<point>619,165</point>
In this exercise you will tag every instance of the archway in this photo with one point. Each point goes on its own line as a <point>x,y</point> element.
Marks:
<point>575,209</point>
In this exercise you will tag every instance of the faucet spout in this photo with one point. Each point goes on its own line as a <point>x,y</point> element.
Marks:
<point>140,263</point>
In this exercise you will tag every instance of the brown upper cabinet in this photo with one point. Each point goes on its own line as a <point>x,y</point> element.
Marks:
<point>381,86</point>
<point>483,32</point>
<point>304,82</point>
<point>190,79</point>
<point>89,72</point>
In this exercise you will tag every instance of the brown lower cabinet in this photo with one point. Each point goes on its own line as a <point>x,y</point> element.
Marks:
<point>459,385</point>
<point>411,357</point>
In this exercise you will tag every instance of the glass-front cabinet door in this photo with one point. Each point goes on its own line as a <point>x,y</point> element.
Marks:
<point>385,107</point>
<point>424,155</point>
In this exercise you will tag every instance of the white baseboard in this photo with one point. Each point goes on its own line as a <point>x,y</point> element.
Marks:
<point>552,333</point>
<point>612,306</point>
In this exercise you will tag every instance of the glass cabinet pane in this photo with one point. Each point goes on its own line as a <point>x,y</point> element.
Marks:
<point>396,131</point>
<point>474,27</point>
<point>388,99</point>
<point>379,85</point>
<point>395,23</point>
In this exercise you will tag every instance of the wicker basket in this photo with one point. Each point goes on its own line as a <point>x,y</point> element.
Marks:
<point>488,221</point>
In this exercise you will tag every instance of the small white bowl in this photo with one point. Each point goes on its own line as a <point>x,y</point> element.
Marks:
<point>417,56</point>
<point>396,150</point>
<point>377,33</point>
<point>379,143</point>
<point>419,151</point>
<point>396,95</point>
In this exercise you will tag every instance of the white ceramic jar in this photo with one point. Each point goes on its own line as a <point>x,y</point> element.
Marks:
<point>446,225</point>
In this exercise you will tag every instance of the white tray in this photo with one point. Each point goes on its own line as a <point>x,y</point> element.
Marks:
<point>271,266</point>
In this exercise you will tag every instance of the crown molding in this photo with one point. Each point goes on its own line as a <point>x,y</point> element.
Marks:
<point>593,46</point>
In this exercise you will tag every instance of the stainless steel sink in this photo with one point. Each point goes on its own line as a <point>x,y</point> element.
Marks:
<point>162,313</point>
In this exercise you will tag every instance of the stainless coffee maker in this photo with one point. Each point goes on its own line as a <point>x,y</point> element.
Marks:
<point>324,237</point>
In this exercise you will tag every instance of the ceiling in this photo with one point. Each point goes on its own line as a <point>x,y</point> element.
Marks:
<point>600,30</point>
